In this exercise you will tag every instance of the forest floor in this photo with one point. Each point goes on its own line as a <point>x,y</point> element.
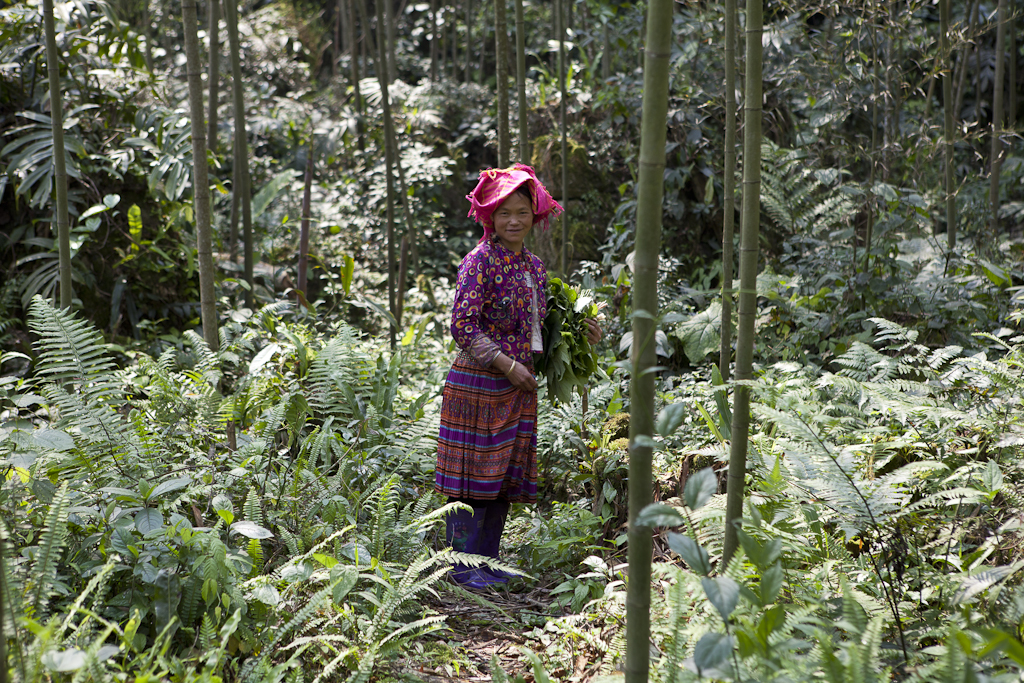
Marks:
<point>483,626</point>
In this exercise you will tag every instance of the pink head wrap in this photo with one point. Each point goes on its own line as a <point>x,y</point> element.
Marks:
<point>497,184</point>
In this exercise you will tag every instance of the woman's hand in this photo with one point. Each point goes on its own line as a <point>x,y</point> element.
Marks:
<point>594,333</point>
<point>522,378</point>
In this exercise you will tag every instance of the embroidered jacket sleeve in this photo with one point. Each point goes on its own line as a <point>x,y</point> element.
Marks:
<point>470,295</point>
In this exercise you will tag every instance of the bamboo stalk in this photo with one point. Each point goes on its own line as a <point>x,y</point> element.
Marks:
<point>524,110</point>
<point>947,115</point>
<point>214,78</point>
<point>997,116</point>
<point>60,172</point>
<point>501,68</point>
<point>729,189</point>
<point>747,307</point>
<point>645,298</point>
<point>563,263</point>
<point>241,149</point>
<point>200,176</point>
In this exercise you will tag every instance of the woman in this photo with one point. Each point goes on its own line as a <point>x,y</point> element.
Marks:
<point>487,447</point>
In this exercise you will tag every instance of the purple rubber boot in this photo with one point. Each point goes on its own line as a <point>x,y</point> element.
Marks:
<point>463,532</point>
<point>490,536</point>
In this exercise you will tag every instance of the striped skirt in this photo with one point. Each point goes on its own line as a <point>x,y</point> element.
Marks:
<point>487,445</point>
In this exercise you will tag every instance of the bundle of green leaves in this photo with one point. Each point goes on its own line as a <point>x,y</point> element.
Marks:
<point>567,360</point>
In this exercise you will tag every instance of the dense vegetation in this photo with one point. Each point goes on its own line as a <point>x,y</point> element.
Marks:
<point>264,510</point>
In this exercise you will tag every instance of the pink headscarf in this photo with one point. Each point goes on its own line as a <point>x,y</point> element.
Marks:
<point>497,184</point>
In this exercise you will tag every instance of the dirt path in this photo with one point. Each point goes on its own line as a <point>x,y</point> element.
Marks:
<point>478,630</point>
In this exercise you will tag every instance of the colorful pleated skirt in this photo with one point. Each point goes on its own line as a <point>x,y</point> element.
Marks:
<point>487,446</point>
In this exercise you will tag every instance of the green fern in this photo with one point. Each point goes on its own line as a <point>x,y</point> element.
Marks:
<point>48,552</point>
<point>796,199</point>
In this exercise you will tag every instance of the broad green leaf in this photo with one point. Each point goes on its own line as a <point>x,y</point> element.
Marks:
<point>723,593</point>
<point>659,514</point>
<point>148,520</point>
<point>263,357</point>
<point>348,265</point>
<point>670,417</point>
<point>772,620</point>
<point>135,223</point>
<point>771,584</point>
<point>712,652</point>
<point>701,334</point>
<point>692,553</point>
<point>699,488</point>
<point>325,560</point>
<point>344,579</point>
<point>251,530</point>
<point>266,594</point>
<point>168,486</point>
<point>64,660</point>
<point>992,477</point>
<point>269,192</point>
<point>761,555</point>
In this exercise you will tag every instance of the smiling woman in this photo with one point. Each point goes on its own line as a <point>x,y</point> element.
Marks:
<point>487,446</point>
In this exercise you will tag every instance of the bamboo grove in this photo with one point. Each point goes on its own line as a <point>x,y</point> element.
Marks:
<point>849,358</point>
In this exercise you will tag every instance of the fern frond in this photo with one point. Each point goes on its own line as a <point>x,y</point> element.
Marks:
<point>51,545</point>
<point>72,353</point>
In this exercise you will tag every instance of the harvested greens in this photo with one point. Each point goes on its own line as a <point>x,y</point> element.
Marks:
<point>567,360</point>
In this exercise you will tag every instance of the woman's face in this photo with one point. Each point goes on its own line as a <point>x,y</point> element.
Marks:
<point>512,221</point>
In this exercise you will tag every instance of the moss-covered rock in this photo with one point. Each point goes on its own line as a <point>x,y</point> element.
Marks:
<point>617,426</point>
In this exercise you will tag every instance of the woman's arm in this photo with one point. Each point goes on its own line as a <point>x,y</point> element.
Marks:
<point>469,300</point>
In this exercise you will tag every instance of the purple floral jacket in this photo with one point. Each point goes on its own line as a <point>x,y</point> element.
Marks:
<point>493,302</point>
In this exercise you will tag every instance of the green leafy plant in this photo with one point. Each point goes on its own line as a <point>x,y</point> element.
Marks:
<point>568,360</point>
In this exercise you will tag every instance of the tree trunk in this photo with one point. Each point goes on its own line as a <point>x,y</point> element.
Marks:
<point>946,63</point>
<point>977,68</point>
<point>888,139</point>
<point>560,31</point>
<point>748,279</point>
<point>236,192</point>
<point>213,32</point>
<point>524,110</point>
<point>60,171</point>
<point>307,191</point>
<point>1011,32</point>
<point>469,42</point>
<point>389,135</point>
<point>200,176</point>
<point>873,154</point>
<point>338,47</point>
<point>645,298</point>
<point>964,58</point>
<point>356,94</point>
<point>392,25</point>
<point>728,189</point>
<point>241,144</point>
<point>455,44</point>
<point>481,75</point>
<point>433,41</point>
<point>501,68</point>
<point>997,116</point>
<point>606,56</point>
